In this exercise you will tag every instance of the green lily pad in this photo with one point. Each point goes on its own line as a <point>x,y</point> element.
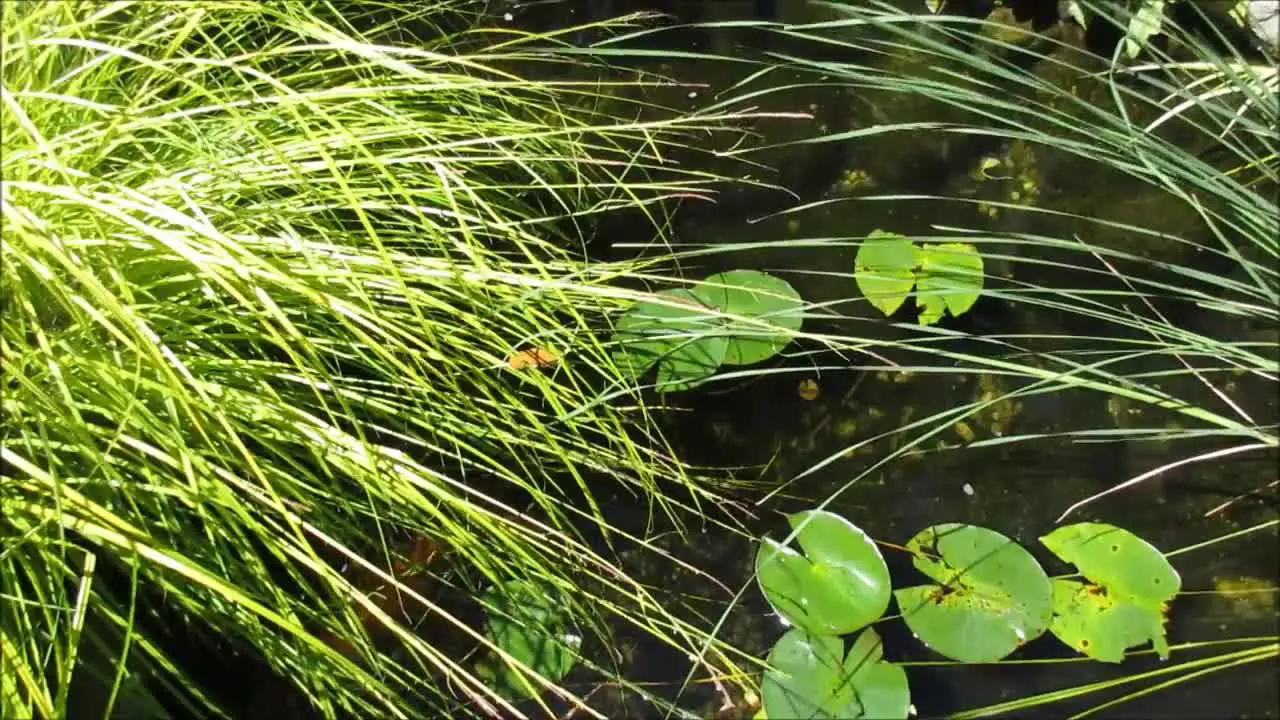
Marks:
<point>1123,563</point>
<point>527,623</point>
<point>1093,621</point>
<point>884,270</point>
<point>810,676</point>
<point>770,301</point>
<point>992,595</point>
<point>1124,604</point>
<point>949,279</point>
<point>839,584</point>
<point>880,688</point>
<point>681,338</point>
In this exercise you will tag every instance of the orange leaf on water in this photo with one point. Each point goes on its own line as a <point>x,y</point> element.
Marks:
<point>532,357</point>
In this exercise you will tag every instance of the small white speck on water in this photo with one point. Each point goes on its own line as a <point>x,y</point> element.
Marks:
<point>968,489</point>
<point>508,17</point>
<point>693,94</point>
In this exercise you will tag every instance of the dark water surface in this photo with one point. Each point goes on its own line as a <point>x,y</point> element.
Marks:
<point>763,426</point>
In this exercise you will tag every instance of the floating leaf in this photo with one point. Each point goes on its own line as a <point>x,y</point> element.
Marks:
<point>883,270</point>
<point>950,278</point>
<point>1123,563</point>
<point>992,595</point>
<point>839,585</point>
<point>806,678</point>
<point>1101,625</point>
<point>682,338</point>
<point>1145,24</point>
<point>771,302</point>
<point>1132,582</point>
<point>532,357</point>
<point>526,623</point>
<point>809,676</point>
<point>879,688</point>
<point>690,364</point>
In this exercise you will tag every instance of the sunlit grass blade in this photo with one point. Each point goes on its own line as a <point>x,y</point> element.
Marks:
<point>265,269</point>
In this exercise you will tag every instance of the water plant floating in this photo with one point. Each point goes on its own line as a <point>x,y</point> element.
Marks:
<point>947,277</point>
<point>810,676</point>
<point>738,317</point>
<point>992,596</point>
<point>771,312</point>
<point>838,585</point>
<point>676,332</point>
<point>1125,601</point>
<point>526,623</point>
<point>884,270</point>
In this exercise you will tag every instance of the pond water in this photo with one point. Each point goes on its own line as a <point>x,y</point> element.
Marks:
<point>790,453</point>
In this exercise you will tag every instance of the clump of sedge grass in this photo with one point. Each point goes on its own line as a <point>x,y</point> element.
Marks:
<point>265,266</point>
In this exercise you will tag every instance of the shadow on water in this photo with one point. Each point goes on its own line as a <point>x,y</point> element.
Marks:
<point>1019,489</point>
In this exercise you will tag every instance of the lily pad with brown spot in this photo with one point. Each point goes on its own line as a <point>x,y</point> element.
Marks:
<point>992,596</point>
<point>1125,603</point>
<point>1118,560</point>
<point>1093,621</point>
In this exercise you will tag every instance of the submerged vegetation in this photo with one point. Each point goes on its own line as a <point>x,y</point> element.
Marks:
<point>316,363</point>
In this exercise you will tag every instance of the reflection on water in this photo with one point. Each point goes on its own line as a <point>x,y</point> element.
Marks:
<point>821,420</point>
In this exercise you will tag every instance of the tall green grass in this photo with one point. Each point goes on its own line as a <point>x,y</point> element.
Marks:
<point>265,265</point>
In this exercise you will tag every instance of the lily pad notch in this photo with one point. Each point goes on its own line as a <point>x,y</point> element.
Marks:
<point>947,277</point>
<point>1123,604</point>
